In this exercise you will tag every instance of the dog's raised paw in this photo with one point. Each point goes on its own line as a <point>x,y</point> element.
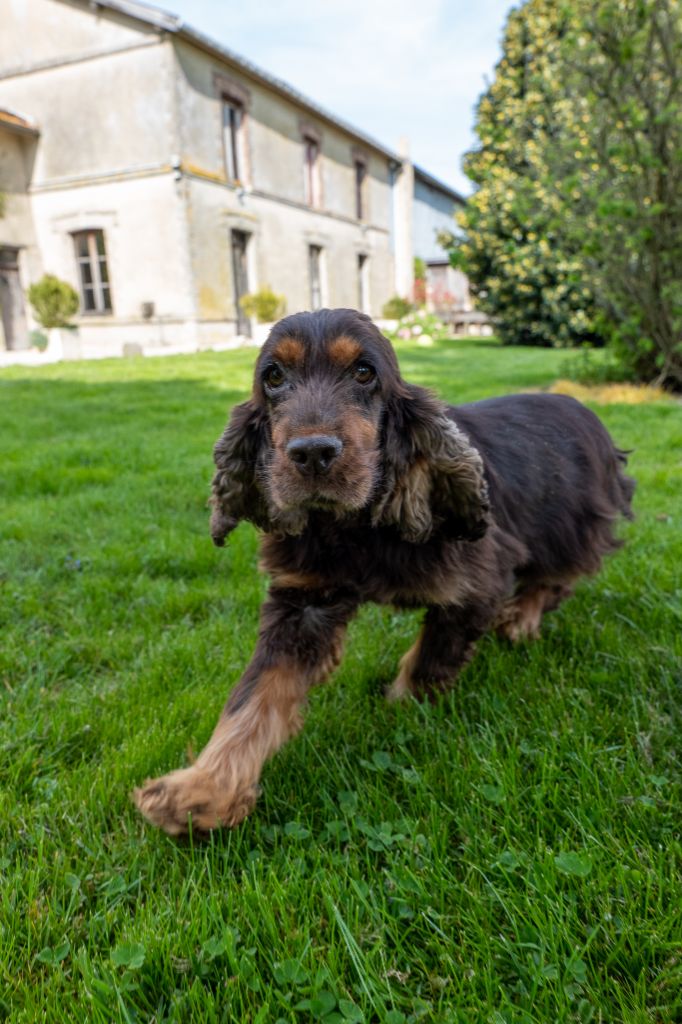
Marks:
<point>192,794</point>
<point>170,801</point>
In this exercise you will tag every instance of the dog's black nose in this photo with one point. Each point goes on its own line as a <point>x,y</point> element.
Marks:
<point>313,455</point>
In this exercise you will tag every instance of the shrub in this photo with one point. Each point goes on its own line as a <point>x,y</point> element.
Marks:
<point>590,366</point>
<point>526,272</point>
<point>55,302</point>
<point>264,304</point>
<point>419,291</point>
<point>396,308</point>
<point>575,231</point>
<point>38,340</point>
<point>422,327</point>
<point>419,268</point>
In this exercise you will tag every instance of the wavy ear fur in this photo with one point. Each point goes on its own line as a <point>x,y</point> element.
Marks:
<point>433,476</point>
<point>235,492</point>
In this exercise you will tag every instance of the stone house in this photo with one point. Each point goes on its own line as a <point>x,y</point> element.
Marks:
<point>164,177</point>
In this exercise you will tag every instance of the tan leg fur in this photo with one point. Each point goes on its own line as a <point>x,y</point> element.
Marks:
<point>401,687</point>
<point>221,787</point>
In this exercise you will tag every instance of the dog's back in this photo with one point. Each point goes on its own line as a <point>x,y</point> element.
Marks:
<point>555,477</point>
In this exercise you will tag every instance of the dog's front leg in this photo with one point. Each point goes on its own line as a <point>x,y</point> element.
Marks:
<point>444,645</point>
<point>300,643</point>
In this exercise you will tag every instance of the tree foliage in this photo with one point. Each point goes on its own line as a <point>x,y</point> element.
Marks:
<point>629,57</point>
<point>527,274</point>
<point>575,231</point>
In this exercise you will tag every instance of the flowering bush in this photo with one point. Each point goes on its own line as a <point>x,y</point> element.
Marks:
<point>525,273</point>
<point>442,300</point>
<point>396,307</point>
<point>574,234</point>
<point>419,291</point>
<point>422,327</point>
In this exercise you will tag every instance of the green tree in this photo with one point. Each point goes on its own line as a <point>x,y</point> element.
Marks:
<point>575,231</point>
<point>526,271</point>
<point>628,56</point>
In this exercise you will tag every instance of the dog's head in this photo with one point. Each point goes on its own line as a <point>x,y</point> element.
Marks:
<point>332,425</point>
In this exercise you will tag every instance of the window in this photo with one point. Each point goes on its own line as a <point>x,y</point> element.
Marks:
<point>363,282</point>
<point>91,257</point>
<point>315,269</point>
<point>233,115</point>
<point>311,170</point>
<point>233,101</point>
<point>360,175</point>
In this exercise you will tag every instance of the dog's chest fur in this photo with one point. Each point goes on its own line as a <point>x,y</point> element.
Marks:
<point>375,563</point>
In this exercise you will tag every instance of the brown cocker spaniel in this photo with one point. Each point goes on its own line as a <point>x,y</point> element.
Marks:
<point>371,489</point>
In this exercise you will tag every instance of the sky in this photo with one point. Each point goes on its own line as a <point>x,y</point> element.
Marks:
<point>392,68</point>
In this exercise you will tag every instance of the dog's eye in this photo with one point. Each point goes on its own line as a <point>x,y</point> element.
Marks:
<point>274,376</point>
<point>363,373</point>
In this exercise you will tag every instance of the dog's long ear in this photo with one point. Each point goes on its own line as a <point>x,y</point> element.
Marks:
<point>433,476</point>
<point>236,493</point>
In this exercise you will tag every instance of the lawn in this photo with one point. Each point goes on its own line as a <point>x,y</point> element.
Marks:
<point>506,856</point>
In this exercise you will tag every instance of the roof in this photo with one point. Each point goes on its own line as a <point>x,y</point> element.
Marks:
<point>167,22</point>
<point>17,122</point>
<point>429,179</point>
<point>174,24</point>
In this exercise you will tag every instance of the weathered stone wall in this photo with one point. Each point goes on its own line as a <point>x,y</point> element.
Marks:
<point>104,160</point>
<point>17,153</point>
<point>36,32</point>
<point>105,116</point>
<point>434,211</point>
<point>269,202</point>
<point>144,230</point>
<point>131,142</point>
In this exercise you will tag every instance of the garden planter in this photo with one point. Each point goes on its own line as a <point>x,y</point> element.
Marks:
<point>64,342</point>
<point>260,333</point>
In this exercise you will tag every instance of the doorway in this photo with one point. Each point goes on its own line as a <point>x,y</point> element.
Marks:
<point>240,273</point>
<point>315,271</point>
<point>363,282</point>
<point>12,300</point>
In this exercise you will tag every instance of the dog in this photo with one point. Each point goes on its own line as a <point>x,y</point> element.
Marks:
<point>368,488</point>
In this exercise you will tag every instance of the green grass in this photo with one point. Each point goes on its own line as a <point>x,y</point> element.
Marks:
<point>511,854</point>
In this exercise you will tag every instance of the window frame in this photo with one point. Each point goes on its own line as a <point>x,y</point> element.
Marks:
<point>233,138</point>
<point>360,171</point>
<point>311,171</point>
<point>361,195</point>
<point>234,94</point>
<point>99,286</point>
<point>313,188</point>
<point>362,266</point>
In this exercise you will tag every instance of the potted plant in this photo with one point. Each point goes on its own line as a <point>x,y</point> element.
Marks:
<point>55,303</point>
<point>265,307</point>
